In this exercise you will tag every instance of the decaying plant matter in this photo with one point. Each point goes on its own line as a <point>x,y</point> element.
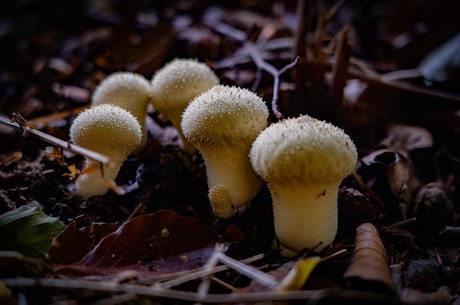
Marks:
<point>157,238</point>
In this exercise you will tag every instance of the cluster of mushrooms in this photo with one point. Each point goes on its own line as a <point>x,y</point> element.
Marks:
<point>302,160</point>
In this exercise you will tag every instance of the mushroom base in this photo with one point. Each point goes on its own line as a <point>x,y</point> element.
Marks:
<point>232,182</point>
<point>304,216</point>
<point>91,183</point>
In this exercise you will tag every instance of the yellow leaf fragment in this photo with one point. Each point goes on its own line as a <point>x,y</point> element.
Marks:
<point>299,274</point>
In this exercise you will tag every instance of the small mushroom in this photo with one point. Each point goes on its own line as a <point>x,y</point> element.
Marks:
<point>127,90</point>
<point>109,130</point>
<point>175,85</point>
<point>303,160</point>
<point>222,123</point>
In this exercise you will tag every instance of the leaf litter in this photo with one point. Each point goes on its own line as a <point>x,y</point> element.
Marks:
<point>405,184</point>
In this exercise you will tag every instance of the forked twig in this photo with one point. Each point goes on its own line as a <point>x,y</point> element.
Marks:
<point>254,53</point>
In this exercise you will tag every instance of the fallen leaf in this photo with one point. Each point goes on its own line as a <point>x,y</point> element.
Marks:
<point>299,274</point>
<point>28,230</point>
<point>368,268</point>
<point>404,138</point>
<point>73,243</point>
<point>141,240</point>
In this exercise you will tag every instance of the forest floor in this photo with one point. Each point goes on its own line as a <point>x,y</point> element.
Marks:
<point>386,72</point>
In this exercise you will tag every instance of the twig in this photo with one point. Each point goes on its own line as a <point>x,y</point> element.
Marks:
<point>22,125</point>
<point>212,262</point>
<point>254,52</point>
<point>339,70</point>
<point>251,272</point>
<point>319,31</point>
<point>447,97</point>
<point>200,272</point>
<point>153,291</point>
<point>301,28</point>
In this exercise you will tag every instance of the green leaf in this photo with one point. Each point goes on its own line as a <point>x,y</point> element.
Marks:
<point>28,230</point>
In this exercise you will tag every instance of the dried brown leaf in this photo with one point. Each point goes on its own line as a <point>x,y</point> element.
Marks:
<point>73,243</point>
<point>404,138</point>
<point>150,237</point>
<point>369,269</point>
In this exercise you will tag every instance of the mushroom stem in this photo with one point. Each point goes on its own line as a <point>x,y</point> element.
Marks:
<point>89,182</point>
<point>231,180</point>
<point>304,208</point>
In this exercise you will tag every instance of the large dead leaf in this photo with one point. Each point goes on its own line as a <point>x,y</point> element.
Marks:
<point>74,242</point>
<point>152,244</point>
<point>150,237</point>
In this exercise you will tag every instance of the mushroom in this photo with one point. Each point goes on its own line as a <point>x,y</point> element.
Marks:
<point>303,161</point>
<point>109,130</point>
<point>222,123</point>
<point>127,90</point>
<point>175,85</point>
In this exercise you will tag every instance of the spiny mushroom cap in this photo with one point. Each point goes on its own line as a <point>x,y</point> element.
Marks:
<point>107,129</point>
<point>303,150</point>
<point>177,83</point>
<point>224,115</point>
<point>128,90</point>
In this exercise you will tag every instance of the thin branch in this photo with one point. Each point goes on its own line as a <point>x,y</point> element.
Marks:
<point>22,125</point>
<point>339,70</point>
<point>301,28</point>
<point>451,98</point>
<point>200,273</point>
<point>153,291</point>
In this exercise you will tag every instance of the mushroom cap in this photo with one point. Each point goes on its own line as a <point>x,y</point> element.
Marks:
<point>303,150</point>
<point>107,129</point>
<point>224,115</point>
<point>128,90</point>
<point>178,82</point>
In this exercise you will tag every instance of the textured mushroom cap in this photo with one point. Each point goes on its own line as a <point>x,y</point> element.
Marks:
<point>224,114</point>
<point>128,90</point>
<point>107,129</point>
<point>178,82</point>
<point>303,150</point>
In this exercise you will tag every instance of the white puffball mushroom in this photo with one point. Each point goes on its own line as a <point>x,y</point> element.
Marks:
<point>109,130</point>
<point>303,161</point>
<point>222,123</point>
<point>175,85</point>
<point>127,90</point>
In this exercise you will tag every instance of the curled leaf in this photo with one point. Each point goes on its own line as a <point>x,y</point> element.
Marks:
<point>369,269</point>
